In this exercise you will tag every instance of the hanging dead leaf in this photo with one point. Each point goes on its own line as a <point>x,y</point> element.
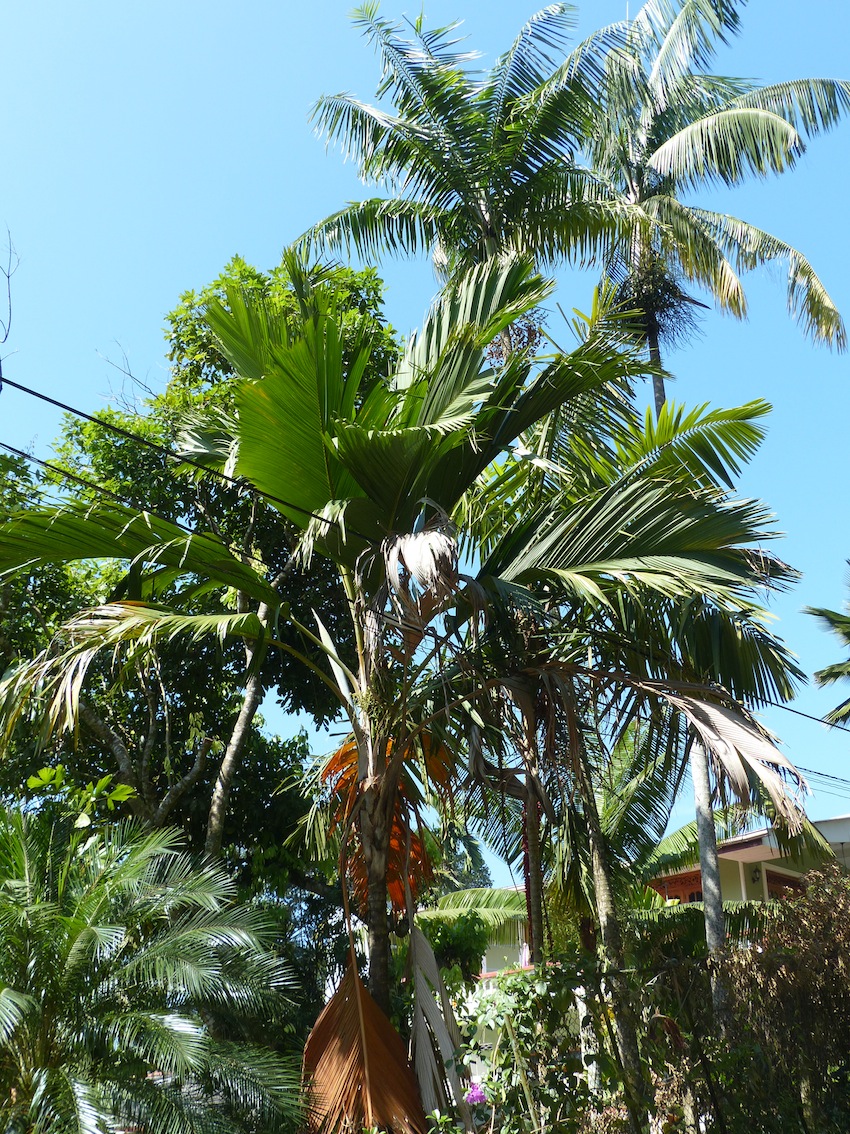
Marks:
<point>435,1037</point>
<point>743,754</point>
<point>356,1069</point>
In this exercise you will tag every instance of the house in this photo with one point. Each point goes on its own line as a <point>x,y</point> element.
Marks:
<point>754,867</point>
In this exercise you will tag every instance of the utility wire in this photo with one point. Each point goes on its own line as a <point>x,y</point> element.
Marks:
<point>169,454</point>
<point>807,716</point>
<point>172,456</point>
<point>107,492</point>
<point>78,480</point>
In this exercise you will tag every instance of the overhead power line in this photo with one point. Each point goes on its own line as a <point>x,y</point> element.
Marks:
<point>100,489</point>
<point>807,716</point>
<point>169,454</point>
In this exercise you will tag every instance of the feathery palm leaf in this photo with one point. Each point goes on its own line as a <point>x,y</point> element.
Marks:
<point>114,945</point>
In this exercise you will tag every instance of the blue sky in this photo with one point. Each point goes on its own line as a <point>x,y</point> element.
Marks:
<point>145,144</point>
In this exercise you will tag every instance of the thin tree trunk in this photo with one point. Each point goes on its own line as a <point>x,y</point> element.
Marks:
<point>233,753</point>
<point>655,358</point>
<point>712,899</point>
<point>534,878</point>
<point>611,937</point>
<point>232,758</point>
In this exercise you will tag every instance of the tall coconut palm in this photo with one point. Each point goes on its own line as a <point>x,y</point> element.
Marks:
<point>670,128</point>
<point>124,968</point>
<point>478,165</point>
<point>587,154</point>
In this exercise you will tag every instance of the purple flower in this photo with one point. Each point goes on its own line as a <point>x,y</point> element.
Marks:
<point>475,1095</point>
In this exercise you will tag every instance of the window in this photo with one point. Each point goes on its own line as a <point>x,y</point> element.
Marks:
<point>685,887</point>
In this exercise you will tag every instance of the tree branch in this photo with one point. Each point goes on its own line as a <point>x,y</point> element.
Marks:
<point>176,792</point>
<point>113,743</point>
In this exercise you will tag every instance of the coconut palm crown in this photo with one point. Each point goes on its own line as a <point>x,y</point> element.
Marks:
<point>669,128</point>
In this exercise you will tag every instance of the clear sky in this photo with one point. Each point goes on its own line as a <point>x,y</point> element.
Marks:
<point>144,144</point>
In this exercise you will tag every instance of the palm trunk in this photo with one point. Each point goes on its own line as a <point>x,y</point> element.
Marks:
<point>712,899</point>
<point>534,877</point>
<point>655,358</point>
<point>625,1027</point>
<point>374,840</point>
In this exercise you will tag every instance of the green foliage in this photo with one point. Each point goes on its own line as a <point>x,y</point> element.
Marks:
<point>839,623</point>
<point>459,944</point>
<point>128,981</point>
<point>526,1035</point>
<point>201,371</point>
<point>84,803</point>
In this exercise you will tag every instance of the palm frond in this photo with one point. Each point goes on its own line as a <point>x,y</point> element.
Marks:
<point>356,1069</point>
<point>809,303</point>
<point>727,147</point>
<point>810,105</point>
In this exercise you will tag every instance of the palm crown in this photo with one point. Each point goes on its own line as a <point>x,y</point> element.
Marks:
<point>668,128</point>
<point>481,163</point>
<point>122,967</point>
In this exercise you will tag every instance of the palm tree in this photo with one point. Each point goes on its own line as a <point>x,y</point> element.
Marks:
<point>124,968</point>
<point>839,624</point>
<point>479,165</point>
<point>668,128</point>
<point>368,471</point>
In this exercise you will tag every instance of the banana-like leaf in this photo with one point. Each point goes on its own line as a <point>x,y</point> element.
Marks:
<point>356,1070</point>
<point>503,912</point>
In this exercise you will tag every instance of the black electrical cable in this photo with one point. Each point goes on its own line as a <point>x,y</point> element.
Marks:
<point>807,716</point>
<point>104,491</point>
<point>128,435</point>
<point>113,496</point>
<point>77,479</point>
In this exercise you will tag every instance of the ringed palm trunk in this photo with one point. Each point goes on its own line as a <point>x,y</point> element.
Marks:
<point>531,840</point>
<point>611,936</point>
<point>712,899</point>
<point>374,839</point>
